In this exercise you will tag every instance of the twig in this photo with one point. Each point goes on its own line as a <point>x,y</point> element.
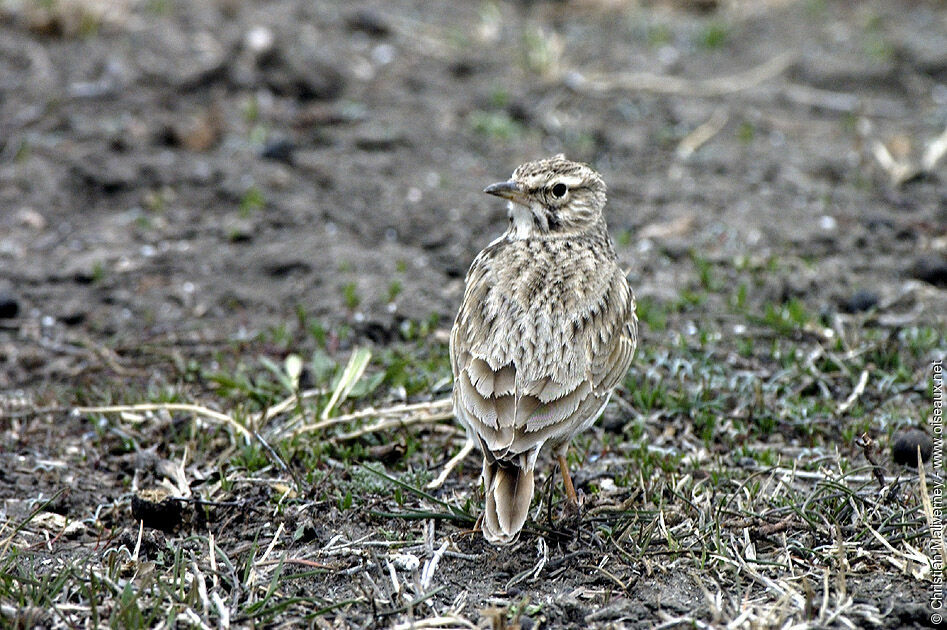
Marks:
<point>382,425</point>
<point>436,622</point>
<point>279,460</point>
<point>934,152</point>
<point>702,134</point>
<point>774,528</point>
<point>902,171</point>
<point>430,567</point>
<point>196,409</point>
<point>858,391</point>
<point>840,101</point>
<point>658,84</point>
<point>899,172</point>
<point>260,418</point>
<point>451,464</point>
<point>266,554</point>
<point>868,446</point>
<point>434,407</point>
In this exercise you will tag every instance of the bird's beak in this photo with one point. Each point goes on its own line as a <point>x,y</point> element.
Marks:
<point>508,190</point>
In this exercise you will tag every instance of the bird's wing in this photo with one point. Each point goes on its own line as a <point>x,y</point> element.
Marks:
<point>609,338</point>
<point>614,346</point>
<point>510,408</point>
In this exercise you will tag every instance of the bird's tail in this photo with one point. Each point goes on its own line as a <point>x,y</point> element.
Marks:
<point>509,491</point>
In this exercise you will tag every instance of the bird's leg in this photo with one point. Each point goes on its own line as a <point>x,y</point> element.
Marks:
<point>567,479</point>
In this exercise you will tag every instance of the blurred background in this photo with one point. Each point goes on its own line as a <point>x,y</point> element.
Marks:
<point>184,174</point>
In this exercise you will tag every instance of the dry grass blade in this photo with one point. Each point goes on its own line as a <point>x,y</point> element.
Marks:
<point>465,450</point>
<point>856,393</point>
<point>660,84</point>
<point>702,134</point>
<point>417,417</point>
<point>195,409</point>
<point>261,418</point>
<point>353,371</point>
<point>934,152</point>
<point>429,410</point>
<point>451,622</point>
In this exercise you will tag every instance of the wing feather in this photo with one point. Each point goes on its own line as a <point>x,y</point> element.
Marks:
<point>548,383</point>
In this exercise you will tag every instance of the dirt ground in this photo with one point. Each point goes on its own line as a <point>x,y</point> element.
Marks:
<point>184,184</point>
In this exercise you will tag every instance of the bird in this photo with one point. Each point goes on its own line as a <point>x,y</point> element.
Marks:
<point>545,332</point>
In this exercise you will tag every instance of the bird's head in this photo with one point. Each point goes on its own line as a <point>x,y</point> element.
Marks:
<point>552,197</point>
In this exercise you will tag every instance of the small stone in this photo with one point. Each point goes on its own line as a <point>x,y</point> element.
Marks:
<point>827,223</point>
<point>280,150</point>
<point>259,40</point>
<point>157,509</point>
<point>369,22</point>
<point>860,300</point>
<point>379,138</point>
<point>303,76</point>
<point>240,230</point>
<point>9,306</point>
<point>107,173</point>
<point>905,444</point>
<point>30,218</point>
<point>406,561</point>
<point>462,69</point>
<point>930,268</point>
<point>73,317</point>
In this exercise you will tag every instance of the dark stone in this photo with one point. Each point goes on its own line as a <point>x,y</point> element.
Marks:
<point>860,300</point>
<point>462,69</point>
<point>73,318</point>
<point>157,509</point>
<point>306,380</point>
<point>284,268</point>
<point>369,22</point>
<point>377,332</point>
<point>613,422</point>
<point>9,306</point>
<point>379,138</point>
<point>106,173</point>
<point>159,51</point>
<point>930,268</point>
<point>878,224</point>
<point>279,150</point>
<point>905,444</point>
<point>302,76</point>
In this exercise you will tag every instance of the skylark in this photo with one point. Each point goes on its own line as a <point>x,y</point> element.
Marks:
<point>546,330</point>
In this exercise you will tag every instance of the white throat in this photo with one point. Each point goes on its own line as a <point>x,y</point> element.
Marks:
<point>522,221</point>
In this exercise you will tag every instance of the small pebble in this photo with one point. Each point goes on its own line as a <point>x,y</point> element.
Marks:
<point>930,268</point>
<point>905,445</point>
<point>860,300</point>
<point>369,22</point>
<point>259,40</point>
<point>406,561</point>
<point>30,218</point>
<point>383,54</point>
<point>9,306</point>
<point>157,509</point>
<point>279,150</point>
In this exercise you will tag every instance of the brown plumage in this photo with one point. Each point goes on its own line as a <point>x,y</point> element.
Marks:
<point>546,330</point>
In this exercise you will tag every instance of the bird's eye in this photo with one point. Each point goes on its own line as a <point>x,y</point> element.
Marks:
<point>559,190</point>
